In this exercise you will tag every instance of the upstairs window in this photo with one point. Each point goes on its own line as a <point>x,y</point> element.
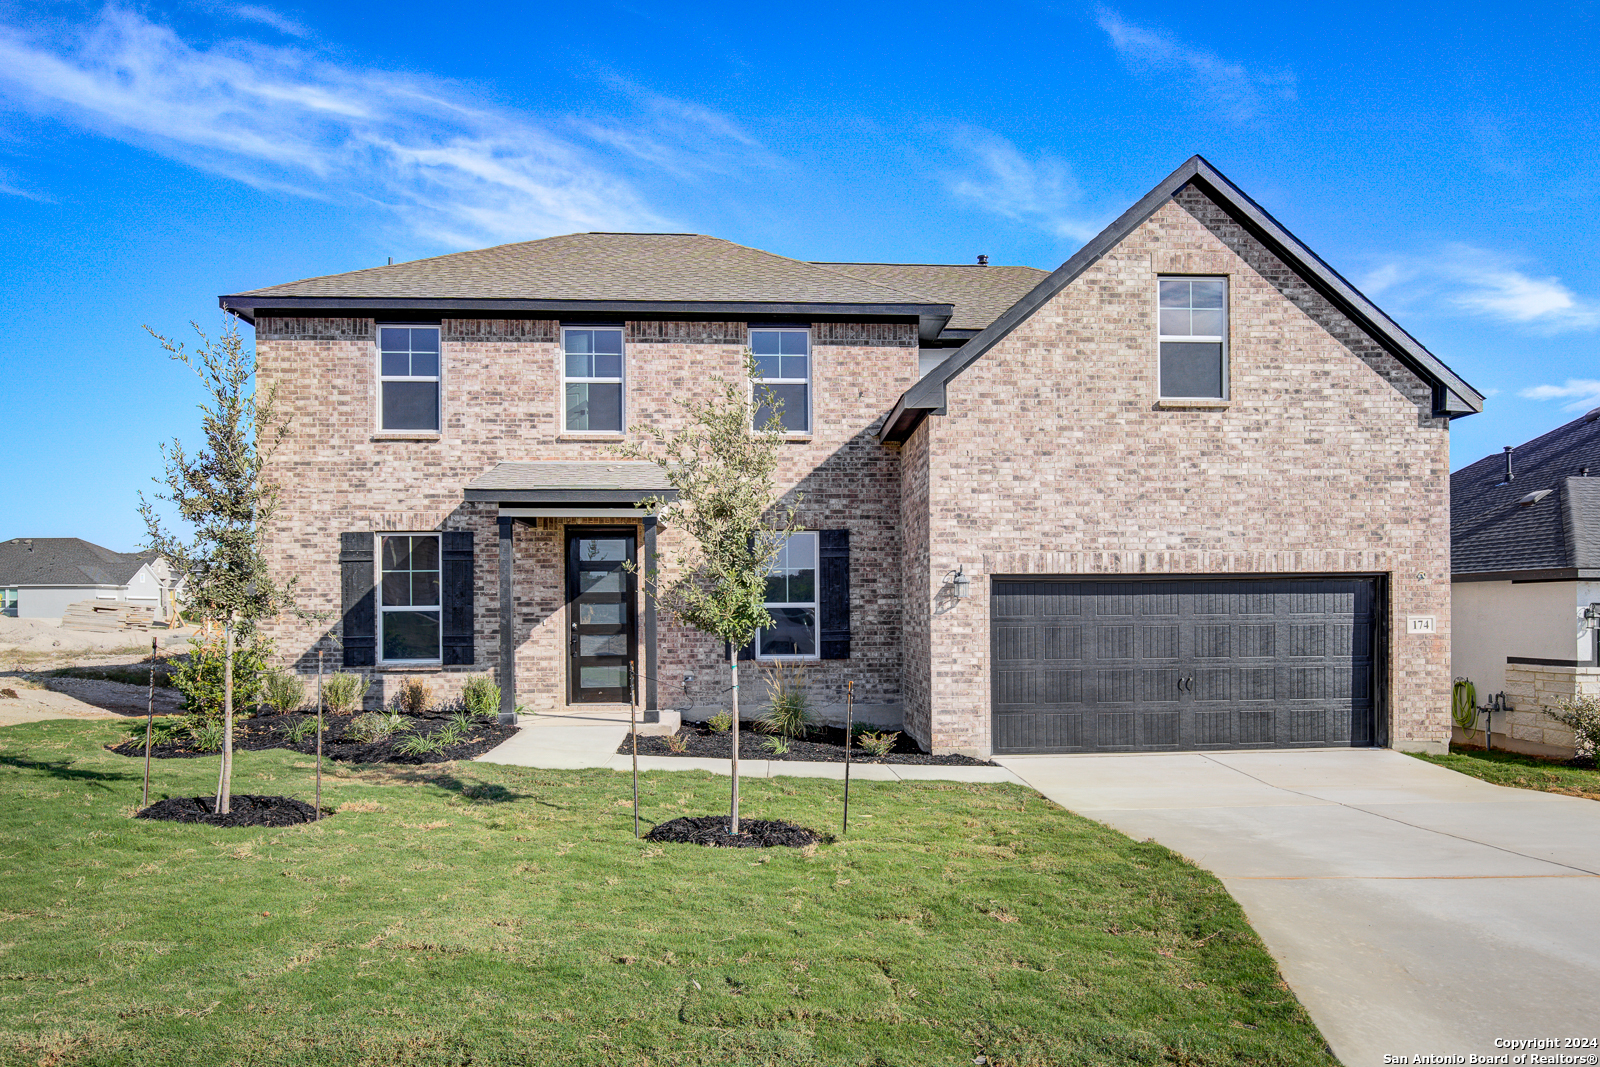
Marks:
<point>1194,338</point>
<point>408,358</point>
<point>783,363</point>
<point>592,379</point>
<point>409,619</point>
<point>792,602</point>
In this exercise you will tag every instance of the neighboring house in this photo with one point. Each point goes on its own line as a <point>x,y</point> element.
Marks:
<point>40,576</point>
<point>1189,491</point>
<point>1525,593</point>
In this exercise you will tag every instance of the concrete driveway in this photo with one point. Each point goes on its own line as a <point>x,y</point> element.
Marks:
<point>1414,910</point>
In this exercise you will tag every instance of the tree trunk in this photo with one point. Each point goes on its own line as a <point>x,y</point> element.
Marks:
<point>734,663</point>
<point>225,795</point>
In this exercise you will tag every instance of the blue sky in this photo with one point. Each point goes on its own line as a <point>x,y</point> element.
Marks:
<point>154,156</point>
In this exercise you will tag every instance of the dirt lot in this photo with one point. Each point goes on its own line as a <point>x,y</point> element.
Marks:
<point>30,648</point>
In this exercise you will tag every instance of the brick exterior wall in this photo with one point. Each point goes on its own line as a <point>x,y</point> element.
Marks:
<point>1056,458</point>
<point>500,402</point>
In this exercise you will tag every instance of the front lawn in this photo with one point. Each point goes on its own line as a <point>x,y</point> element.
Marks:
<point>1523,772</point>
<point>470,913</point>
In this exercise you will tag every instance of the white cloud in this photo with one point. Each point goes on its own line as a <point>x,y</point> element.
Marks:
<point>1580,394</point>
<point>456,171</point>
<point>1039,192</point>
<point>1463,278</point>
<point>268,17</point>
<point>1229,88</point>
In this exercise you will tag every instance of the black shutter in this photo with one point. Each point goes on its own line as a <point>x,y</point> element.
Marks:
<point>455,589</point>
<point>356,588</point>
<point>833,593</point>
<point>748,651</point>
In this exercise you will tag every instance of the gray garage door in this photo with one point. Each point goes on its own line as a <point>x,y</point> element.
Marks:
<point>1118,666</point>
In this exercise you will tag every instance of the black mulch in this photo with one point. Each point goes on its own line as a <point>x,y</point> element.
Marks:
<point>822,744</point>
<point>271,731</point>
<point>753,833</point>
<point>244,809</point>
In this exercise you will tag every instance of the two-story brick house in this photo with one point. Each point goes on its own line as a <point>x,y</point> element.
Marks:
<point>1189,491</point>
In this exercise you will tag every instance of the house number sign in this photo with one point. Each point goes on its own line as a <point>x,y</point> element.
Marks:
<point>1421,624</point>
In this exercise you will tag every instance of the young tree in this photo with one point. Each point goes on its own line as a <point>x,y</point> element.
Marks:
<point>727,502</point>
<point>221,493</point>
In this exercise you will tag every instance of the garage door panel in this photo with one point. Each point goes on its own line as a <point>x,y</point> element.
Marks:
<point>1089,665</point>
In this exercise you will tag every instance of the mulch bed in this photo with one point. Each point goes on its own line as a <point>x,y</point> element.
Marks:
<point>753,833</point>
<point>823,744</point>
<point>244,809</point>
<point>271,731</point>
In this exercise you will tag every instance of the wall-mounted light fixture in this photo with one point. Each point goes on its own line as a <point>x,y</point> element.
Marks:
<point>960,582</point>
<point>1591,617</point>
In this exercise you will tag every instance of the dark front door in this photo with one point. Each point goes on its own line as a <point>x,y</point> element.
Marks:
<point>600,609</point>
<point>1162,665</point>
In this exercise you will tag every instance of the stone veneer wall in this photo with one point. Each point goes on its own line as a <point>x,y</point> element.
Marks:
<point>1531,690</point>
<point>500,395</point>
<point>1055,457</point>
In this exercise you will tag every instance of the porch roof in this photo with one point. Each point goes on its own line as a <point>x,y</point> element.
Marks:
<point>615,482</point>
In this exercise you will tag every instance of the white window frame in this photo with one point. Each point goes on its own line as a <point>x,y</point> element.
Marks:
<point>808,381</point>
<point>621,381</point>
<point>384,609</point>
<point>1161,338</point>
<point>815,604</point>
<point>437,379</point>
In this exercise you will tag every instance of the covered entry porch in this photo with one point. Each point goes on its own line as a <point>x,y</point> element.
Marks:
<point>573,549</point>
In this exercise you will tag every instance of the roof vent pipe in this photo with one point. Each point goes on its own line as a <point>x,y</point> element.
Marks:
<point>1510,477</point>
<point>983,261</point>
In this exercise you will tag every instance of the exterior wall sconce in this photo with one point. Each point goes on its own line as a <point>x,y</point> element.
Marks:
<point>962,584</point>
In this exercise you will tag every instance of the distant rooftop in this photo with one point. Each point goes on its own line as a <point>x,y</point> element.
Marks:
<point>65,561</point>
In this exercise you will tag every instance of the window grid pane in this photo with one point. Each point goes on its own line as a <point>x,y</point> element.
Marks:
<point>791,600</point>
<point>592,380</point>
<point>783,364</point>
<point>1192,332</point>
<point>409,584</point>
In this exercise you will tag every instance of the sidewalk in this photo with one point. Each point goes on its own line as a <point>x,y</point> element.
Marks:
<point>575,740</point>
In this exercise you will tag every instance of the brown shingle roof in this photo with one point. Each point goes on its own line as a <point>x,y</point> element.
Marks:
<point>607,266</point>
<point>980,294</point>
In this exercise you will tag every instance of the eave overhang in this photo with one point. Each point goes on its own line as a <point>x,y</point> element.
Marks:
<point>1453,397</point>
<point>930,318</point>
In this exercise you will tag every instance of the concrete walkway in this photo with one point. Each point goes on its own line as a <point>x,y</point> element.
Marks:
<point>1412,909</point>
<point>575,739</point>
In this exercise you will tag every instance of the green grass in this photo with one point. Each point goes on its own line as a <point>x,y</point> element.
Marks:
<point>496,915</point>
<point>1523,772</point>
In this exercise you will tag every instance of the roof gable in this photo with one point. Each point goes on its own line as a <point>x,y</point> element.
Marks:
<point>1452,395</point>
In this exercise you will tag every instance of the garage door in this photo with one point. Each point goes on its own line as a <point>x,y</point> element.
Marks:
<point>1119,666</point>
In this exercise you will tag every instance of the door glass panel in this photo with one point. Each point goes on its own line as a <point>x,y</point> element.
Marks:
<point>603,645</point>
<point>602,614</point>
<point>603,677</point>
<point>600,581</point>
<point>608,549</point>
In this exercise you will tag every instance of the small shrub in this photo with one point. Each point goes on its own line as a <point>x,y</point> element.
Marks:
<point>789,711</point>
<point>777,744</point>
<point>879,744</point>
<point>1581,715</point>
<point>343,693</point>
<point>720,723</point>
<point>374,726</point>
<point>206,734</point>
<point>462,720</point>
<point>414,697</point>
<point>298,732</point>
<point>482,697</point>
<point>450,734</point>
<point>282,691</point>
<point>199,675</point>
<point>418,745</point>
<point>677,743</point>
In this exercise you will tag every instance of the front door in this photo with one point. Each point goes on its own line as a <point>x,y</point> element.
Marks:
<point>600,611</point>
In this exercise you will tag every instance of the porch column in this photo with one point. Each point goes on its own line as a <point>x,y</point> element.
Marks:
<point>508,630</point>
<point>650,705</point>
